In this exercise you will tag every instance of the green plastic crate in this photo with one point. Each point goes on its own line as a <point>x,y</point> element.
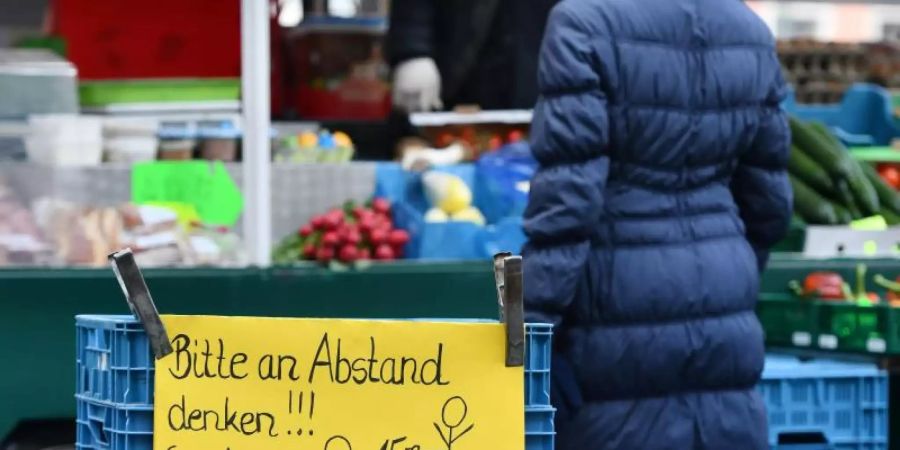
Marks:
<point>829,325</point>
<point>103,93</point>
<point>788,321</point>
<point>892,333</point>
<point>848,327</point>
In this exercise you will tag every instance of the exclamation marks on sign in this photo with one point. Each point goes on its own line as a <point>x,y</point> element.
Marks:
<point>297,403</point>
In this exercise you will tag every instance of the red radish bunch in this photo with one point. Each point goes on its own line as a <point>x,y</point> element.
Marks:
<point>353,233</point>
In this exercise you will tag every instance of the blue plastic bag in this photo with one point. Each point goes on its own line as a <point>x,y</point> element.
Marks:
<point>502,181</point>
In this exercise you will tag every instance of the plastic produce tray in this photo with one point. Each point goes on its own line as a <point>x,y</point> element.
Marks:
<point>114,392</point>
<point>788,321</point>
<point>848,327</point>
<point>863,118</point>
<point>102,93</point>
<point>848,403</point>
<point>843,327</point>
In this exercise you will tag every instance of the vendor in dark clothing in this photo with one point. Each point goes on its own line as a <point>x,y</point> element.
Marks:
<point>452,52</point>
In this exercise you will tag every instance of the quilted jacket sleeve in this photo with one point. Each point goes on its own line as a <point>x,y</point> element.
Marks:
<point>760,184</point>
<point>569,138</point>
<point>411,34</point>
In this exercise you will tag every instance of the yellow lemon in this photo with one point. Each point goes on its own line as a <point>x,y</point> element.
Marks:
<point>447,192</point>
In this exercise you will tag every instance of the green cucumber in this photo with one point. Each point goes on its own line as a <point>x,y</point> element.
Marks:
<point>889,198</point>
<point>890,217</point>
<point>820,150</point>
<point>823,131</point>
<point>845,196</point>
<point>844,216</point>
<point>865,194</point>
<point>810,172</point>
<point>810,205</point>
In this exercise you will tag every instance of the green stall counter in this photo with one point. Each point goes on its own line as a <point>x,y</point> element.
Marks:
<point>39,306</point>
<point>37,323</point>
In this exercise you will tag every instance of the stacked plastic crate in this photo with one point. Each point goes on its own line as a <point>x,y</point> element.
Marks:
<point>845,404</point>
<point>539,431</point>
<point>115,382</point>
<point>114,392</point>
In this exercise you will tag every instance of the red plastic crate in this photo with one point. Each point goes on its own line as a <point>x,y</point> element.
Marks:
<point>109,39</point>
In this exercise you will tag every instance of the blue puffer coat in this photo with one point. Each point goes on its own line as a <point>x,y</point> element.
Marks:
<point>662,184</point>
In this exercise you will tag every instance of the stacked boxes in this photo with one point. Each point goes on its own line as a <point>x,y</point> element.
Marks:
<point>114,391</point>
<point>847,403</point>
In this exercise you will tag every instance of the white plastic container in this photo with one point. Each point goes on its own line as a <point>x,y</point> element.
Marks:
<point>129,140</point>
<point>65,140</point>
<point>114,127</point>
<point>130,149</point>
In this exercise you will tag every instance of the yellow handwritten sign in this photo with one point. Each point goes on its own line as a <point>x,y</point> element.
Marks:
<point>240,383</point>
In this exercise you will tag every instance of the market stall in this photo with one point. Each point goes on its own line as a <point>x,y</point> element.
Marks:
<point>322,212</point>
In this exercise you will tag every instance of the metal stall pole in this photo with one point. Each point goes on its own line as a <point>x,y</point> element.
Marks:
<point>257,167</point>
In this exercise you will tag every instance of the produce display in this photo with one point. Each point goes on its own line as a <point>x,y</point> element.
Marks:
<point>54,232</point>
<point>308,147</point>
<point>481,138</point>
<point>824,312</point>
<point>832,188</point>
<point>822,285</point>
<point>477,131</point>
<point>453,147</point>
<point>21,239</point>
<point>450,198</point>
<point>892,287</point>
<point>347,235</point>
<point>830,286</point>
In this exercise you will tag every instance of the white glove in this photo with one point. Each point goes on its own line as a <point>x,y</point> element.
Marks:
<point>417,86</point>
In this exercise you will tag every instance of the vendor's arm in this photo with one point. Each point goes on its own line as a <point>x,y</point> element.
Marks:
<point>570,135</point>
<point>412,30</point>
<point>411,42</point>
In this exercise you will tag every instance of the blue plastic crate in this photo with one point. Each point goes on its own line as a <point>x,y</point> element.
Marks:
<point>109,427</point>
<point>537,364</point>
<point>539,431</point>
<point>113,362</point>
<point>848,403</point>
<point>114,373</point>
<point>539,419</point>
<point>804,447</point>
<point>864,116</point>
<point>539,441</point>
<point>104,426</point>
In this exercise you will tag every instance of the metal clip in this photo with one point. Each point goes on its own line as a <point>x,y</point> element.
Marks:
<point>498,279</point>
<point>139,300</point>
<point>508,275</point>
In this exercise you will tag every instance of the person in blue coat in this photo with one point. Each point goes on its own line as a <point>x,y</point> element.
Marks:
<point>662,185</point>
